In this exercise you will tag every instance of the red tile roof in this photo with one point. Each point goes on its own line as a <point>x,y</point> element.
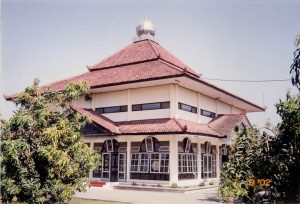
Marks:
<point>150,70</point>
<point>141,51</point>
<point>98,119</point>
<point>225,124</point>
<point>148,126</point>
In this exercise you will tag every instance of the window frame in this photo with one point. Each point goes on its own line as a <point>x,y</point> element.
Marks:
<point>193,108</point>
<point>146,144</point>
<point>146,164</point>
<point>207,113</point>
<point>142,106</point>
<point>135,165</point>
<point>103,110</point>
<point>112,145</point>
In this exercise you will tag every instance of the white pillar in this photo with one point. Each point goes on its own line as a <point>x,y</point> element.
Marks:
<point>218,161</point>
<point>198,107</point>
<point>91,171</point>
<point>199,159</point>
<point>173,159</point>
<point>173,100</point>
<point>128,157</point>
<point>129,111</point>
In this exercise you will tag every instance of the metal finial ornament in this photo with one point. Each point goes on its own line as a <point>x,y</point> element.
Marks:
<point>145,27</point>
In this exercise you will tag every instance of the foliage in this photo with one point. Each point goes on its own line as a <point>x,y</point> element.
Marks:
<point>245,163</point>
<point>287,147</point>
<point>43,157</point>
<point>295,67</point>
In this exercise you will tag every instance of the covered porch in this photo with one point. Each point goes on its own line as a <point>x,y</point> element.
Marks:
<point>166,159</point>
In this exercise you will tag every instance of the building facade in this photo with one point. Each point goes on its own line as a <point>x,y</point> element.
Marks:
<point>155,120</point>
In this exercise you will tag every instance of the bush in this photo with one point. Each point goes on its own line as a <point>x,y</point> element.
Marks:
<point>174,185</point>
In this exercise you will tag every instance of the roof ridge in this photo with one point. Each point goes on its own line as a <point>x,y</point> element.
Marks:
<point>124,64</point>
<point>108,57</point>
<point>183,127</point>
<point>183,70</point>
<point>90,111</point>
<point>155,51</point>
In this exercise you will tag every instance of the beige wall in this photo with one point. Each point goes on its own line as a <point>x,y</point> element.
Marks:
<point>82,103</point>
<point>223,108</point>
<point>173,93</point>
<point>150,94</point>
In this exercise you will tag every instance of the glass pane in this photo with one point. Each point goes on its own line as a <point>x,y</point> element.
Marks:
<point>149,145</point>
<point>186,107</point>
<point>114,109</point>
<point>151,106</point>
<point>165,105</point>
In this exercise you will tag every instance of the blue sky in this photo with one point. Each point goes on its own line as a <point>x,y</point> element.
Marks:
<point>250,40</point>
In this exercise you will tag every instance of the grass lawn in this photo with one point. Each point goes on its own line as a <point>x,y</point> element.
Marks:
<point>90,201</point>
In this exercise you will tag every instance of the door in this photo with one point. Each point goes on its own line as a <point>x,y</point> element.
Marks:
<point>106,157</point>
<point>114,167</point>
<point>122,167</point>
<point>207,169</point>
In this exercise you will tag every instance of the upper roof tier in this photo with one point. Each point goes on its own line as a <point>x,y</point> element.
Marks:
<point>139,52</point>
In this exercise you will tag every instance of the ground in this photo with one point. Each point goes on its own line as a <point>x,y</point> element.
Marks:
<point>203,196</point>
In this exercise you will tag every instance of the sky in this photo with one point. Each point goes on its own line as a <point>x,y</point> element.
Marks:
<point>241,40</point>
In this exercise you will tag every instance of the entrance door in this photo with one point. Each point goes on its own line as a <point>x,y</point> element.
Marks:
<point>122,167</point>
<point>114,167</point>
<point>207,160</point>
<point>106,157</point>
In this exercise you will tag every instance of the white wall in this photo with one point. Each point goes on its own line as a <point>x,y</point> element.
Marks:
<point>115,98</point>
<point>82,103</point>
<point>188,97</point>
<point>223,108</point>
<point>236,110</point>
<point>150,95</point>
<point>172,93</point>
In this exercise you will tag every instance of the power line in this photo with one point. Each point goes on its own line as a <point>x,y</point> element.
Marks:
<point>248,81</point>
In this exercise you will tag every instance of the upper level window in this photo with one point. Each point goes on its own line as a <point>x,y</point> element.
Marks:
<point>187,108</point>
<point>151,106</point>
<point>207,113</point>
<point>112,109</point>
<point>109,145</point>
<point>149,144</point>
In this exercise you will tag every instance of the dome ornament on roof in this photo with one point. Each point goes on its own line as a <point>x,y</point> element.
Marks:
<point>145,29</point>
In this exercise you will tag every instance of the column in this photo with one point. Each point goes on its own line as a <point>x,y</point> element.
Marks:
<point>129,113</point>
<point>128,156</point>
<point>173,159</point>
<point>91,171</point>
<point>199,159</point>
<point>218,161</point>
<point>198,107</point>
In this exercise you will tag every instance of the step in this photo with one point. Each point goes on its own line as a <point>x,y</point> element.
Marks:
<point>97,183</point>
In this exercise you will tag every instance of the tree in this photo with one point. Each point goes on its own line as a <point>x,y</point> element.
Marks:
<point>287,146</point>
<point>248,162</point>
<point>295,67</point>
<point>43,157</point>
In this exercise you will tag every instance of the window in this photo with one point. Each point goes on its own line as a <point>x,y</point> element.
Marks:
<point>149,162</point>
<point>149,144</point>
<point>188,145</point>
<point>154,163</point>
<point>208,148</point>
<point>187,163</point>
<point>151,106</point>
<point>164,163</point>
<point>207,113</point>
<point>187,108</point>
<point>134,165</point>
<point>112,109</point>
<point>109,145</point>
<point>209,167</point>
<point>144,164</point>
